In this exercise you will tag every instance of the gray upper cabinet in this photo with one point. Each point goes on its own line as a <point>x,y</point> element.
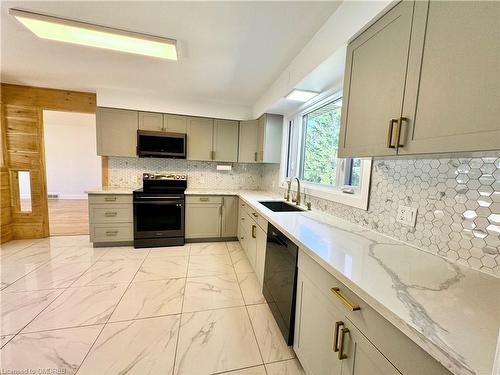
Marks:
<point>175,123</point>
<point>270,138</point>
<point>200,138</point>
<point>225,144</point>
<point>116,132</point>
<point>260,140</point>
<point>150,121</point>
<point>248,141</point>
<point>374,84</point>
<point>423,79</point>
<point>453,100</point>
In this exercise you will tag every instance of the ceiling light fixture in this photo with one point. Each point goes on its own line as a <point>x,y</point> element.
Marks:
<point>301,95</point>
<point>86,34</point>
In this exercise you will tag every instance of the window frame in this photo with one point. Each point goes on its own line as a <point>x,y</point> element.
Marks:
<point>293,140</point>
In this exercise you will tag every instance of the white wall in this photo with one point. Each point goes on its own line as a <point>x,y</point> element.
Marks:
<point>72,164</point>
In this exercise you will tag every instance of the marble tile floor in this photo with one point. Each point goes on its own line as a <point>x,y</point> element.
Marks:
<point>193,309</point>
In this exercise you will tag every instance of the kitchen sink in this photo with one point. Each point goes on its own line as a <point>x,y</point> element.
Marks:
<point>279,206</point>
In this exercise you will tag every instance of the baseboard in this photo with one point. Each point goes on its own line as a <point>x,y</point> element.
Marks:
<point>211,239</point>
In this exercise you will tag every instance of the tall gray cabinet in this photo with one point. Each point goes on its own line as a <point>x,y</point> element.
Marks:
<point>424,79</point>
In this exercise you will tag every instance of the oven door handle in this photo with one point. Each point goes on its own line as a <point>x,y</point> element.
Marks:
<point>168,203</point>
<point>158,198</point>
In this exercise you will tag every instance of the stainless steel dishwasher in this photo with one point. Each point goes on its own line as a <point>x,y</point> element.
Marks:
<point>280,280</point>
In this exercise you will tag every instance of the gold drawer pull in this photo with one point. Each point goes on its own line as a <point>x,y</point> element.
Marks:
<point>111,214</point>
<point>111,232</point>
<point>110,199</point>
<point>203,199</point>
<point>392,121</point>
<point>398,131</point>
<point>343,331</point>
<point>254,214</point>
<point>336,335</point>
<point>351,306</point>
<point>254,228</point>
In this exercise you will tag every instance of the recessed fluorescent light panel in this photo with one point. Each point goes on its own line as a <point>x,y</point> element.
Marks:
<point>301,95</point>
<point>85,34</point>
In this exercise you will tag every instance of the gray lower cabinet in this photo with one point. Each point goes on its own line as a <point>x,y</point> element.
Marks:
<point>211,217</point>
<point>116,132</point>
<point>229,216</point>
<point>225,140</point>
<point>200,138</point>
<point>332,339</point>
<point>203,220</point>
<point>111,219</point>
<point>424,79</point>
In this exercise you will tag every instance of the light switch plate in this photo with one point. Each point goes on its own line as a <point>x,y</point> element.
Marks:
<point>407,215</point>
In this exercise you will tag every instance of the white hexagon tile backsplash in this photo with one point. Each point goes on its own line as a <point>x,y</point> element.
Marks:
<point>458,203</point>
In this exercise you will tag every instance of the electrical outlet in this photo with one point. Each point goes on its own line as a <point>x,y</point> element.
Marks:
<point>406,215</point>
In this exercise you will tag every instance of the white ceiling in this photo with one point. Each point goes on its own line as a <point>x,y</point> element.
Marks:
<point>229,52</point>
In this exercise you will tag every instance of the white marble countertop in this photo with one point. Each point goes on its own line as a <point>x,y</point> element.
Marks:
<point>110,190</point>
<point>451,311</point>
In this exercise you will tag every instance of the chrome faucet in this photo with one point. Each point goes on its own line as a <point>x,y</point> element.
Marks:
<point>297,197</point>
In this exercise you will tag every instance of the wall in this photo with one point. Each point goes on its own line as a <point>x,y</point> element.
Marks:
<point>127,172</point>
<point>72,164</point>
<point>458,203</point>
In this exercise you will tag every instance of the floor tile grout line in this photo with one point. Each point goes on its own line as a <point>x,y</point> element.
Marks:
<point>237,369</point>
<point>110,315</point>
<point>180,318</point>
<point>251,325</point>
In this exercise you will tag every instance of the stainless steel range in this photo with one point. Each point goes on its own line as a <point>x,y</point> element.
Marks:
<point>159,210</point>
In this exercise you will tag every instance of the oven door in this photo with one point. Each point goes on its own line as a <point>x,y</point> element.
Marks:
<point>157,217</point>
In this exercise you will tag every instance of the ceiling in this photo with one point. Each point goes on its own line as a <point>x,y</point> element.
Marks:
<point>229,52</point>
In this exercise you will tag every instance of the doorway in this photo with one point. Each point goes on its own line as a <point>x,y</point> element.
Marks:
<point>72,167</point>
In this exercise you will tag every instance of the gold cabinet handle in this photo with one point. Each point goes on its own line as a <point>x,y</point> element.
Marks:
<point>213,155</point>
<point>110,199</point>
<point>111,214</point>
<point>343,331</point>
<point>255,156</point>
<point>203,199</point>
<point>392,121</point>
<point>254,214</point>
<point>111,232</point>
<point>254,228</point>
<point>350,305</point>
<point>336,335</point>
<point>398,132</point>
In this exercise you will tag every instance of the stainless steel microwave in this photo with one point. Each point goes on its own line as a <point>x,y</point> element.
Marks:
<point>161,144</point>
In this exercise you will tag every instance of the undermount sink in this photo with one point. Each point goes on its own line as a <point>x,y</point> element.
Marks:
<point>280,206</point>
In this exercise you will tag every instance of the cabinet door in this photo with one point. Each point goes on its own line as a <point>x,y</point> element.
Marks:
<point>248,141</point>
<point>315,330</point>
<point>150,121</point>
<point>260,256</point>
<point>454,68</point>
<point>272,137</point>
<point>116,132</point>
<point>229,216</point>
<point>175,123</point>
<point>374,84</point>
<point>251,244</point>
<point>261,129</point>
<point>362,357</point>
<point>203,220</point>
<point>200,133</point>
<point>225,140</point>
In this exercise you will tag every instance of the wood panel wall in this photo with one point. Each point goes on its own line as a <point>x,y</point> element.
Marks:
<point>23,150</point>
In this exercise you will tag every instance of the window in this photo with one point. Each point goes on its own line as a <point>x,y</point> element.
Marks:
<point>313,140</point>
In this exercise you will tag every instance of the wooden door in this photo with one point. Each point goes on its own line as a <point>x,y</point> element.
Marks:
<point>226,140</point>
<point>229,216</point>
<point>200,135</point>
<point>453,95</point>
<point>203,220</point>
<point>175,123</point>
<point>315,330</point>
<point>362,357</point>
<point>248,141</point>
<point>151,121</point>
<point>116,132</point>
<point>374,84</point>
